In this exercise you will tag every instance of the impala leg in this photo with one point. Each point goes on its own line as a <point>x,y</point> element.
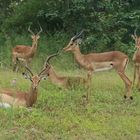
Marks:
<point>17,68</point>
<point>27,62</point>
<point>128,84</point>
<point>14,64</point>
<point>89,80</point>
<point>134,77</point>
<point>18,65</point>
<point>138,82</point>
<point>14,67</point>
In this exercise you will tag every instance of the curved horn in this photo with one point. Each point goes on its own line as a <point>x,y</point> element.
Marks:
<point>29,70</point>
<point>50,57</point>
<point>42,71</point>
<point>46,64</point>
<point>29,29</point>
<point>40,30</point>
<point>135,32</point>
<point>77,36</point>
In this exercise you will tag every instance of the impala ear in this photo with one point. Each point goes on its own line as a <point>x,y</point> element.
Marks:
<point>26,76</point>
<point>133,37</point>
<point>32,36</point>
<point>38,37</point>
<point>79,41</point>
<point>44,78</point>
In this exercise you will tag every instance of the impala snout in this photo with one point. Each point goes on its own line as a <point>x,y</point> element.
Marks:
<point>69,47</point>
<point>35,81</point>
<point>66,49</point>
<point>137,46</point>
<point>35,85</point>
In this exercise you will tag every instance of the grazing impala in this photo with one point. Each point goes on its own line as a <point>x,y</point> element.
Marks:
<point>25,53</point>
<point>136,59</point>
<point>93,62</point>
<point>10,98</point>
<point>63,81</point>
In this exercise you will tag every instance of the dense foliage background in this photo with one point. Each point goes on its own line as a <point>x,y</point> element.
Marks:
<point>108,23</point>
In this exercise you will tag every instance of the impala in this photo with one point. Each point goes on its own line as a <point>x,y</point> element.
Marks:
<point>10,98</point>
<point>93,62</point>
<point>25,53</point>
<point>136,59</point>
<point>63,81</point>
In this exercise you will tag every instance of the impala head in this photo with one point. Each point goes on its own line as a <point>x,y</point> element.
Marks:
<point>34,36</point>
<point>74,42</point>
<point>35,79</point>
<point>137,39</point>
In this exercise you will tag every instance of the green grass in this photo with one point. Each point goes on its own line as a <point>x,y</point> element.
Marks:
<point>60,114</point>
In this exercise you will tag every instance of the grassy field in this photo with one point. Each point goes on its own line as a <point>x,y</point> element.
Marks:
<point>60,114</point>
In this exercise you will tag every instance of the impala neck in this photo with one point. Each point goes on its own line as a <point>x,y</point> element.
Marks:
<point>31,96</point>
<point>78,55</point>
<point>53,76</point>
<point>136,55</point>
<point>138,50</point>
<point>33,48</point>
<point>34,45</point>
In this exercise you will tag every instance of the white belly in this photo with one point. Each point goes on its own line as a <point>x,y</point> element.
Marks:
<point>102,66</point>
<point>11,101</point>
<point>21,59</point>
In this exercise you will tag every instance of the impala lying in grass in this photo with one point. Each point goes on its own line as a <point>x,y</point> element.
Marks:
<point>63,81</point>
<point>10,98</point>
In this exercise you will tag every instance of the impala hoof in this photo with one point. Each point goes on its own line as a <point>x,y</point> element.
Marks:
<point>125,96</point>
<point>131,97</point>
